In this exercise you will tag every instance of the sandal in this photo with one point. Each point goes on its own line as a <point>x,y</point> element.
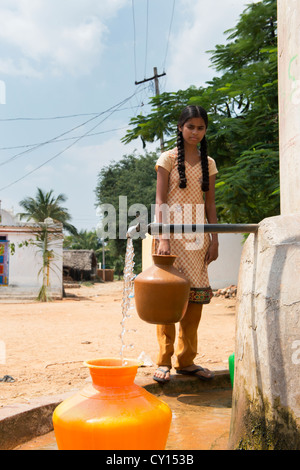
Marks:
<point>162,379</point>
<point>7,378</point>
<point>194,372</point>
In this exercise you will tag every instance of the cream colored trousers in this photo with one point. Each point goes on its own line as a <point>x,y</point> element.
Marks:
<point>187,344</point>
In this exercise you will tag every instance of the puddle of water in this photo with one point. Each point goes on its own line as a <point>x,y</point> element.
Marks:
<point>199,422</point>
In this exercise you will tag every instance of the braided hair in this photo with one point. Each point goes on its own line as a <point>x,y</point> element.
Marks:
<point>188,113</point>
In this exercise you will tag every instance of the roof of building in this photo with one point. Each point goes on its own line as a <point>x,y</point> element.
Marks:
<point>83,260</point>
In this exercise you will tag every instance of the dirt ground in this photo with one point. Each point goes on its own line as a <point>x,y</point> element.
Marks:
<point>44,345</point>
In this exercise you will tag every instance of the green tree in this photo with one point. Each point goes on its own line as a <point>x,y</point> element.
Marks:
<point>46,211</point>
<point>89,240</point>
<point>242,194</point>
<point>46,205</point>
<point>47,236</point>
<point>242,104</point>
<point>162,120</point>
<point>84,240</point>
<point>134,177</point>
<point>119,266</point>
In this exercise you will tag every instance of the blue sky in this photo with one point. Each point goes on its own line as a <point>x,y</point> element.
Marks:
<point>68,68</point>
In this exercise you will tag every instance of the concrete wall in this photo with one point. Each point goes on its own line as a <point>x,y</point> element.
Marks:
<point>225,270</point>
<point>266,399</point>
<point>289,104</point>
<point>25,265</point>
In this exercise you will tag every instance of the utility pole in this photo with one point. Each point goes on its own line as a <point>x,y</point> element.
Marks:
<point>103,260</point>
<point>155,78</point>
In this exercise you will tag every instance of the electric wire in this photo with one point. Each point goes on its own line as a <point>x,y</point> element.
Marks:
<point>147,34</point>
<point>112,109</point>
<point>47,118</point>
<point>30,148</point>
<point>147,27</point>
<point>134,39</point>
<point>169,35</point>
<point>63,140</point>
<point>53,140</point>
<point>50,118</point>
<point>54,157</point>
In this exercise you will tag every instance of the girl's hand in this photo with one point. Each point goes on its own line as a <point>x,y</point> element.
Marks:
<point>212,252</point>
<point>163,247</point>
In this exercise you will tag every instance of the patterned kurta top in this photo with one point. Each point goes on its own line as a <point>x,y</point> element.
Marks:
<point>187,206</point>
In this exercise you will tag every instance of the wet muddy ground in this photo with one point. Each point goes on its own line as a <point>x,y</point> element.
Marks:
<point>199,422</point>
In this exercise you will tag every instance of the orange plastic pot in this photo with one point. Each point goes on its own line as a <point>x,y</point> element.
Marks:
<point>161,292</point>
<point>112,413</point>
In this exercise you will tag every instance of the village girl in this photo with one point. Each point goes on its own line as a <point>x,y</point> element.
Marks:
<point>186,177</point>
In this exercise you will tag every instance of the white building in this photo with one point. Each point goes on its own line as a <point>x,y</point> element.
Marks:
<point>224,271</point>
<point>21,261</point>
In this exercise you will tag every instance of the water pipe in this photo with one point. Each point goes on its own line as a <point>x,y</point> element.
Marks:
<point>156,229</point>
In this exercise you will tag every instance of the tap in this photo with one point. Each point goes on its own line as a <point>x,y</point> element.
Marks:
<point>137,231</point>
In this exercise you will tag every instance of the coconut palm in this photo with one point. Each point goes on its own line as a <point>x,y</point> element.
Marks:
<point>46,205</point>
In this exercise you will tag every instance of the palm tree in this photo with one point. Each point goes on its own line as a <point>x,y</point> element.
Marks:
<point>84,240</point>
<point>45,205</point>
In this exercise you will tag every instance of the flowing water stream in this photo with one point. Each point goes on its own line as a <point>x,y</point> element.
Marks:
<point>128,296</point>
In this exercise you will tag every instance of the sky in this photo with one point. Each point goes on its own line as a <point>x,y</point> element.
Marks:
<point>67,85</point>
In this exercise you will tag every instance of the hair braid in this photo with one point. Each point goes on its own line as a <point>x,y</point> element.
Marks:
<point>204,165</point>
<point>181,164</point>
<point>188,113</point>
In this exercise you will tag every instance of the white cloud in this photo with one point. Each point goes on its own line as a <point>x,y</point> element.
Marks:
<point>91,158</point>
<point>18,67</point>
<point>41,178</point>
<point>54,36</point>
<point>189,64</point>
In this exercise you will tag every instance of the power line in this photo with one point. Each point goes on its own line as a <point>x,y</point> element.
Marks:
<point>155,78</point>
<point>134,39</point>
<point>147,33</point>
<point>112,109</point>
<point>63,140</point>
<point>47,118</point>
<point>169,35</point>
<point>147,40</point>
<point>53,140</point>
<point>50,159</point>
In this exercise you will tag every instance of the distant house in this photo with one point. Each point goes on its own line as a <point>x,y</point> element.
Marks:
<point>80,265</point>
<point>20,266</point>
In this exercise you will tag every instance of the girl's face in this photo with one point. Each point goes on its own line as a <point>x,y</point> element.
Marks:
<point>193,131</point>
